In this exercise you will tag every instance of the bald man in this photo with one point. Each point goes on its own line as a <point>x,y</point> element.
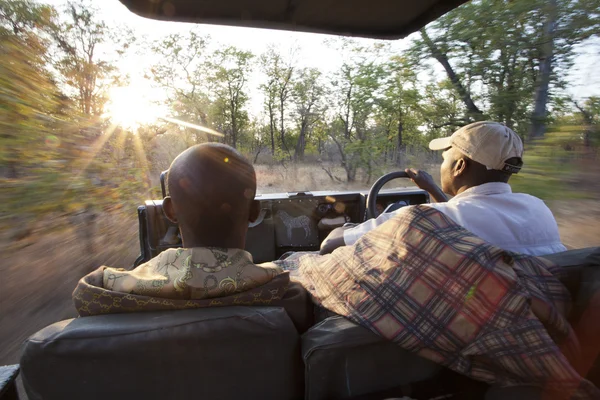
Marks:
<point>212,189</point>
<point>211,198</point>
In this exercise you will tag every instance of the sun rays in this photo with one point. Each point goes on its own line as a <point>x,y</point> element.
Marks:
<point>129,113</point>
<point>129,107</point>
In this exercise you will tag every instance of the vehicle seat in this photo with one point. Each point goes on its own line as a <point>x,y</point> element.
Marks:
<point>213,353</point>
<point>344,360</point>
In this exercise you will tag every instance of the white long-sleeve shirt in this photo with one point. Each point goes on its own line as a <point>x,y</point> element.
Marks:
<point>511,221</point>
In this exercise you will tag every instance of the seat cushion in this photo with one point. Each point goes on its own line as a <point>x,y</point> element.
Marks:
<point>214,353</point>
<point>343,360</point>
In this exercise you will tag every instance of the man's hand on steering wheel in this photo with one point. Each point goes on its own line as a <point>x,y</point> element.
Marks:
<point>424,181</point>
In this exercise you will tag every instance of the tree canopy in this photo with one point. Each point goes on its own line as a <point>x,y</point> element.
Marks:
<point>488,59</point>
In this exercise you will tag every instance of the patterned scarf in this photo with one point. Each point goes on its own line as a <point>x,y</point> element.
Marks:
<point>180,279</point>
<point>436,289</point>
<point>194,273</point>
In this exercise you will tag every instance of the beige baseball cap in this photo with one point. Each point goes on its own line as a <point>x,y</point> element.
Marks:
<point>486,142</point>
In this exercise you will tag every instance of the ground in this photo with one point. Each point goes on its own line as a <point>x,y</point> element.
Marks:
<point>38,273</point>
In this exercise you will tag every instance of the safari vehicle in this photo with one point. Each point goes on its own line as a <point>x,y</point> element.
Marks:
<point>256,352</point>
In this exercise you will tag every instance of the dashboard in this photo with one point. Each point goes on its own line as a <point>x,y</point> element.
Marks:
<point>293,221</point>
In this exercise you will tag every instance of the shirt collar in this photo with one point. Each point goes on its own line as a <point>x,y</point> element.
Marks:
<point>485,189</point>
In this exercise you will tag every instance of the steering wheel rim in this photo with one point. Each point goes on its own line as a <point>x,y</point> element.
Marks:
<point>372,199</point>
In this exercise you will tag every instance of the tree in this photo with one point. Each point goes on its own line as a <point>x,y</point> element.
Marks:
<point>28,95</point>
<point>269,89</point>
<point>308,92</point>
<point>355,88</point>
<point>399,107</point>
<point>441,56</point>
<point>590,117</point>
<point>497,54</point>
<point>538,117</point>
<point>181,71</point>
<point>82,66</point>
<point>565,25</point>
<point>277,90</point>
<point>230,69</point>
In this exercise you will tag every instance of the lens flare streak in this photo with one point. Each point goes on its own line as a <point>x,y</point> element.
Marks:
<point>193,126</point>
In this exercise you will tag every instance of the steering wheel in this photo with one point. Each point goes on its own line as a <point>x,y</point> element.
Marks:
<point>372,199</point>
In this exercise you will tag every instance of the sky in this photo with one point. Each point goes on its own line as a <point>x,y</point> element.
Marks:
<point>313,51</point>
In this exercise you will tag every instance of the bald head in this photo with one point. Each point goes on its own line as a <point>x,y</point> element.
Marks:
<point>211,196</point>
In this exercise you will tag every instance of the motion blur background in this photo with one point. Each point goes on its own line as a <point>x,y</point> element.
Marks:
<point>95,102</point>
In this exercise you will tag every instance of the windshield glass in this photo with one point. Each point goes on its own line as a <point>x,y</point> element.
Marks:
<point>95,102</point>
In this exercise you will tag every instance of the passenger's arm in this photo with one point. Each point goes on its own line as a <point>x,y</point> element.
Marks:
<point>334,240</point>
<point>425,182</point>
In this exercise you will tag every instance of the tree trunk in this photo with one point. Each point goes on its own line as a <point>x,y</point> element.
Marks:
<point>369,172</point>
<point>282,131</point>
<point>350,173</point>
<point>11,170</point>
<point>346,163</point>
<point>257,154</point>
<point>400,141</point>
<point>234,129</point>
<point>538,118</point>
<point>589,124</point>
<point>301,143</point>
<point>272,127</point>
<point>442,58</point>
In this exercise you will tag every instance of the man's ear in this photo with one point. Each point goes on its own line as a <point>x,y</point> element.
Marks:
<point>254,210</point>
<point>460,167</point>
<point>169,210</point>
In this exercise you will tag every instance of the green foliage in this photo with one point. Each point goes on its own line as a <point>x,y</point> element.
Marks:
<point>181,71</point>
<point>230,70</point>
<point>85,74</point>
<point>496,50</point>
<point>379,110</point>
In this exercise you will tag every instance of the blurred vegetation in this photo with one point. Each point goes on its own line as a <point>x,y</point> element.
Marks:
<point>61,153</point>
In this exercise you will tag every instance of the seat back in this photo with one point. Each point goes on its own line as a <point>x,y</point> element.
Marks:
<point>581,275</point>
<point>343,360</point>
<point>214,353</point>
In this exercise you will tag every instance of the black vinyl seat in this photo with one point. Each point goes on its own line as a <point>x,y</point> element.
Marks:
<point>216,353</point>
<point>343,360</point>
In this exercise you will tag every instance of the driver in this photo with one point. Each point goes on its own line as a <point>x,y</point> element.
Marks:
<point>212,189</point>
<point>478,161</point>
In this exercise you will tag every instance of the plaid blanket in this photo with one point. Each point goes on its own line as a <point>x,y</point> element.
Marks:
<point>436,289</point>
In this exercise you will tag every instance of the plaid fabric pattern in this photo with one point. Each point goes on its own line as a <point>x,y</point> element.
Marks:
<point>436,289</point>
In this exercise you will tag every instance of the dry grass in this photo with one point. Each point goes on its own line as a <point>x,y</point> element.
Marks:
<point>303,177</point>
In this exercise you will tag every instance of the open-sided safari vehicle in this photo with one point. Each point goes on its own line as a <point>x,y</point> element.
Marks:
<point>256,352</point>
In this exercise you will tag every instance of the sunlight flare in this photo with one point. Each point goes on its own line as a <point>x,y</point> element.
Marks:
<point>129,108</point>
<point>193,126</point>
